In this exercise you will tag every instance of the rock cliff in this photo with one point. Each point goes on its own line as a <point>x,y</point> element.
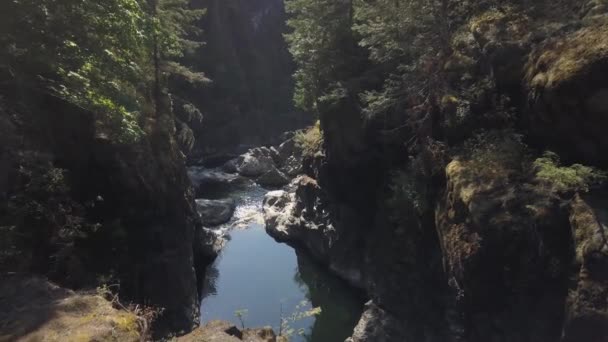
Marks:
<point>84,210</point>
<point>456,220</point>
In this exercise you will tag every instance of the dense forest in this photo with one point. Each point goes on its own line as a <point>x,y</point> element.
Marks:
<point>437,169</point>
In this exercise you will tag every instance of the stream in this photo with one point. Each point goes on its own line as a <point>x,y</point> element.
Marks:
<point>265,280</point>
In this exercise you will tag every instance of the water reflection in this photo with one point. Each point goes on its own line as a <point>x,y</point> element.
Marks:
<point>209,287</point>
<point>341,305</point>
<point>255,273</point>
<point>266,278</point>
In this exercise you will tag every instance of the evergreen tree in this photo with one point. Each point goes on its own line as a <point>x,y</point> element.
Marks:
<point>104,56</point>
<point>323,47</point>
<point>172,26</point>
<point>401,37</point>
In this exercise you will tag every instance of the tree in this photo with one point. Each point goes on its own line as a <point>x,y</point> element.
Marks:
<point>90,53</point>
<point>406,36</point>
<point>172,24</point>
<point>401,38</point>
<point>322,45</point>
<point>98,54</point>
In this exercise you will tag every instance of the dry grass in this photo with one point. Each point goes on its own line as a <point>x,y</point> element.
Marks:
<point>36,310</point>
<point>311,140</point>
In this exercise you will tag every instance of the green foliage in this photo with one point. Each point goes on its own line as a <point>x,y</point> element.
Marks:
<point>241,314</point>
<point>397,47</point>
<point>96,54</point>
<point>173,30</point>
<point>174,23</point>
<point>41,222</point>
<point>395,30</point>
<point>405,37</point>
<point>576,177</point>
<point>90,53</point>
<point>310,140</point>
<point>496,154</point>
<point>322,45</point>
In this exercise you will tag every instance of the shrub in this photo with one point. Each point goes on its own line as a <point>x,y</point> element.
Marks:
<point>576,177</point>
<point>310,140</point>
<point>496,154</point>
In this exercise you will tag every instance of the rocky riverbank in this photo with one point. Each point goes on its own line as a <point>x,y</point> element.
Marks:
<point>221,331</point>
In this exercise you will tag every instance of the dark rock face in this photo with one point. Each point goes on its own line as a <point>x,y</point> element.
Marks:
<point>377,325</point>
<point>245,55</point>
<point>302,220</point>
<point>586,305</point>
<point>568,94</point>
<point>273,178</point>
<point>123,211</point>
<point>476,248</point>
<point>489,232</point>
<point>213,183</point>
<point>215,212</point>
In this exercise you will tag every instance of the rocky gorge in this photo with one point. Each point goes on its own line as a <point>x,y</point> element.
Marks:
<point>454,179</point>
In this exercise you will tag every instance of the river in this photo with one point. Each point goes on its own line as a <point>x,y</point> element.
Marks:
<point>266,281</point>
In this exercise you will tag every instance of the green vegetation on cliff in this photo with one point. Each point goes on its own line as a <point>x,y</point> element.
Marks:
<point>104,57</point>
<point>435,117</point>
<point>93,185</point>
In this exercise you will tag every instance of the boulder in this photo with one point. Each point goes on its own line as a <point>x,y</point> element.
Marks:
<point>203,176</point>
<point>231,166</point>
<point>215,212</point>
<point>377,325</point>
<point>213,183</point>
<point>286,149</point>
<point>273,178</point>
<point>221,331</point>
<point>300,217</point>
<point>291,158</point>
<point>256,162</point>
<point>279,214</point>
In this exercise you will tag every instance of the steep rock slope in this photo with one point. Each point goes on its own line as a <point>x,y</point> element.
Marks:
<point>449,212</point>
<point>86,210</point>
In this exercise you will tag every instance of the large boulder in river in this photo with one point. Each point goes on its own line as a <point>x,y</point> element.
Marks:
<point>279,214</point>
<point>256,162</point>
<point>273,178</point>
<point>213,183</point>
<point>301,217</point>
<point>215,212</point>
<point>290,158</point>
<point>201,176</point>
